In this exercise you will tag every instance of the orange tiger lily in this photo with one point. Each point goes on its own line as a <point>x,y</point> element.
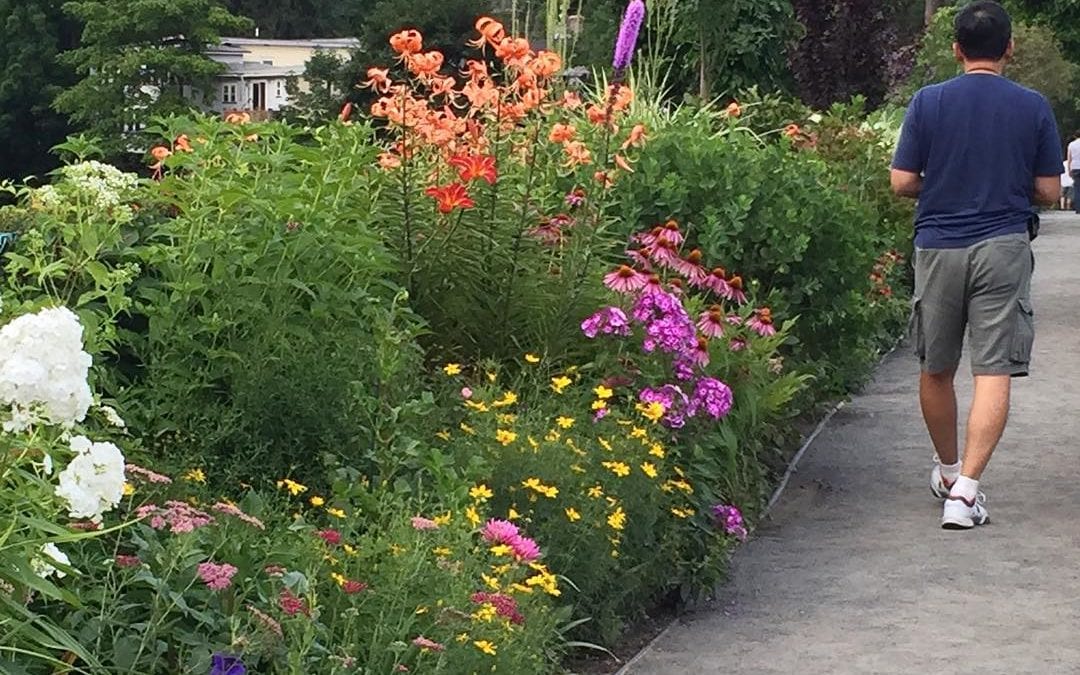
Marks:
<point>346,112</point>
<point>160,152</point>
<point>378,80</point>
<point>450,197</point>
<point>545,64</point>
<point>621,162</point>
<point>426,64</point>
<point>473,167</point>
<point>792,130</point>
<point>183,144</point>
<point>389,160</point>
<point>491,32</point>
<point>571,100</point>
<point>512,49</point>
<point>636,138</point>
<point>407,42</point>
<point>621,96</point>
<point>577,154</point>
<point>443,86</point>
<point>476,70</point>
<point>561,133</point>
<point>597,115</point>
<point>733,109</point>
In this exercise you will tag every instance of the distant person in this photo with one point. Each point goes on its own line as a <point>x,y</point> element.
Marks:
<point>1067,184</point>
<point>979,152</point>
<point>1072,160</point>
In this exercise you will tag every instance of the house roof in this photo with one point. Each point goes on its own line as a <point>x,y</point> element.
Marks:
<point>316,43</point>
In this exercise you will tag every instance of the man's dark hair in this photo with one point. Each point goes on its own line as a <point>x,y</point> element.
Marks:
<point>983,31</point>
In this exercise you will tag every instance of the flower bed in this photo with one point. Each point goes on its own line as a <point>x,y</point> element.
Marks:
<point>417,392</point>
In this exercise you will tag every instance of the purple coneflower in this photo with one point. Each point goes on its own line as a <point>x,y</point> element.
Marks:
<point>761,322</point>
<point>625,279</point>
<point>711,322</point>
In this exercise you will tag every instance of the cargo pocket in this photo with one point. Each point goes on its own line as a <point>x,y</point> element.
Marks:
<point>915,329</point>
<point>1024,334</point>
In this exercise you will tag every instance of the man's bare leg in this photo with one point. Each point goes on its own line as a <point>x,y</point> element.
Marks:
<point>938,398</point>
<point>986,423</point>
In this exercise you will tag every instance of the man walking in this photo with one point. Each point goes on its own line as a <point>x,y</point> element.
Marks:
<point>1072,161</point>
<point>978,152</point>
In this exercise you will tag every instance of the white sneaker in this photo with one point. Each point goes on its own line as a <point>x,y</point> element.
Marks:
<point>960,514</point>
<point>937,483</point>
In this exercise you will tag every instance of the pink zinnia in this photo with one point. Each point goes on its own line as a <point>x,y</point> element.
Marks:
<point>711,322</point>
<point>526,550</point>
<point>500,532</point>
<point>424,524</point>
<point>424,643</point>
<point>331,537</point>
<point>216,577</point>
<point>761,322</point>
<point>625,279</point>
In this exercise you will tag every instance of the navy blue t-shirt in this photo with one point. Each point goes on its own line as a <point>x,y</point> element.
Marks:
<point>979,141</point>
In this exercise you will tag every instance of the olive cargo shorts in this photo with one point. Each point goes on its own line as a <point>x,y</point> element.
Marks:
<point>985,288</point>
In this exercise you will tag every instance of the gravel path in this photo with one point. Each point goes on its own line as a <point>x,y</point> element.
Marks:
<point>852,573</point>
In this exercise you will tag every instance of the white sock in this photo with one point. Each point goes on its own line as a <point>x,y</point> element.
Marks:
<point>950,472</point>
<point>965,488</point>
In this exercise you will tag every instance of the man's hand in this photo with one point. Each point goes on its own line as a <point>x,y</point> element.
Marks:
<point>1047,190</point>
<point>906,183</point>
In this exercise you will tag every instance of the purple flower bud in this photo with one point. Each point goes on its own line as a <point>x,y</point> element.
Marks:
<point>628,34</point>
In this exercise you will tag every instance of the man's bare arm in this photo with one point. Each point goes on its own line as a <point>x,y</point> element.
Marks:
<point>1047,190</point>
<point>906,183</point>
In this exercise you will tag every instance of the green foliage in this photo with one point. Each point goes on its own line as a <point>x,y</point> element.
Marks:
<point>138,59</point>
<point>790,221</point>
<point>32,32</point>
<point>328,79</point>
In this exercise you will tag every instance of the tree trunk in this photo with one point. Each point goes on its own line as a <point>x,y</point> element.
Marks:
<point>931,7</point>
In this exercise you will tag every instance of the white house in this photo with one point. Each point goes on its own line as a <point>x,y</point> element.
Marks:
<point>259,68</point>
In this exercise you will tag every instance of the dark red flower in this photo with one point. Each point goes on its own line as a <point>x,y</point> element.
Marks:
<point>127,560</point>
<point>293,605</point>
<point>353,587</point>
<point>331,537</point>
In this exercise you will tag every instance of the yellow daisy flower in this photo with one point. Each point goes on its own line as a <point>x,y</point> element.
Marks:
<point>486,647</point>
<point>560,383</point>
<point>505,436</point>
<point>649,469</point>
<point>564,422</point>
<point>603,393</point>
<point>452,369</point>
<point>532,358</point>
<point>572,515</point>
<point>481,493</point>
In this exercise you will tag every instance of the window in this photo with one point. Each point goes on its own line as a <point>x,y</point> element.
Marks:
<point>280,92</point>
<point>228,93</point>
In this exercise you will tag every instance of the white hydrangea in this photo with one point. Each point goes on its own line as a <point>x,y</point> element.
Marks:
<point>95,183</point>
<point>43,369</point>
<point>93,482</point>
<point>43,566</point>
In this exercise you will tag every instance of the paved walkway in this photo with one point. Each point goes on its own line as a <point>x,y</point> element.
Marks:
<point>853,575</point>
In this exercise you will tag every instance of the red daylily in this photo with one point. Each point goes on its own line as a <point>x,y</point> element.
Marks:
<point>473,167</point>
<point>450,197</point>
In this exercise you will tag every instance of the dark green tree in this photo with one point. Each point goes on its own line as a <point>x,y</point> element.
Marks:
<point>138,59</point>
<point>32,34</point>
<point>297,19</point>
<point>329,80</point>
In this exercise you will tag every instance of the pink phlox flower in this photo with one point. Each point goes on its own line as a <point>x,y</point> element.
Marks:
<point>235,512</point>
<point>625,279</point>
<point>430,645</point>
<point>711,322</point>
<point>730,518</point>
<point>526,550</point>
<point>600,414</point>
<point>500,532</point>
<point>683,367</point>
<point>179,517</point>
<point>424,524</point>
<point>217,577</point>
<point>146,474</point>
<point>609,321</point>
<point>712,396</point>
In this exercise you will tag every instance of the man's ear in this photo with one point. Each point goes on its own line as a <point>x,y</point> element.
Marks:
<point>957,52</point>
<point>1009,50</point>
